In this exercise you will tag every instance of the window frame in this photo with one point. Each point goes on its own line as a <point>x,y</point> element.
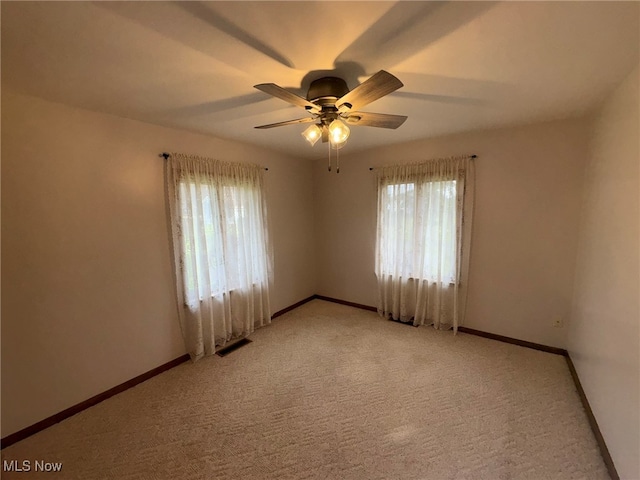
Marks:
<point>388,266</point>
<point>190,278</point>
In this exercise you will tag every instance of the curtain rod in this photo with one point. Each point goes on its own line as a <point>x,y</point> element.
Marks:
<point>466,156</point>
<point>166,155</point>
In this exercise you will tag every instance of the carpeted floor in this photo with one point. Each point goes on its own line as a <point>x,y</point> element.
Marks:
<point>333,392</point>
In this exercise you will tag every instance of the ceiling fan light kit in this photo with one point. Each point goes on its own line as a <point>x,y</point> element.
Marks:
<point>338,132</point>
<point>312,134</point>
<point>332,106</point>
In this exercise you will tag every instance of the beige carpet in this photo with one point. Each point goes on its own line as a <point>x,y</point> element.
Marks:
<point>333,392</point>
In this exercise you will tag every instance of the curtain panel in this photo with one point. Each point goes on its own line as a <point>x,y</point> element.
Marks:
<point>221,250</point>
<point>423,241</point>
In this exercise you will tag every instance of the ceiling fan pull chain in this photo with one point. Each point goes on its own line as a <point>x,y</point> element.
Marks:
<point>329,143</point>
<point>337,161</point>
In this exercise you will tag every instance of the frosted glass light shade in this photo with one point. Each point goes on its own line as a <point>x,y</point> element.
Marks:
<point>338,132</point>
<point>338,146</point>
<point>312,134</point>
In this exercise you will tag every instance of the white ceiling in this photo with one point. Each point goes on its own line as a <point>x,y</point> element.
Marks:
<point>192,65</point>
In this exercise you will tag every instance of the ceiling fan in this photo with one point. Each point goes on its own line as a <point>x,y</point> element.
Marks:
<point>331,104</point>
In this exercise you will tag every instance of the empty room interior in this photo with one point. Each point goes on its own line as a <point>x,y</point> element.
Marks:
<point>320,239</point>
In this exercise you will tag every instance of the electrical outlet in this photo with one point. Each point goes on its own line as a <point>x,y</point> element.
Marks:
<point>557,322</point>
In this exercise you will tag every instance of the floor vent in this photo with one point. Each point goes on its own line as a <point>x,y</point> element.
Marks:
<point>409,323</point>
<point>233,347</point>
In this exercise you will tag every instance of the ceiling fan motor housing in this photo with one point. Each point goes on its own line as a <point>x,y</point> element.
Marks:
<point>326,90</point>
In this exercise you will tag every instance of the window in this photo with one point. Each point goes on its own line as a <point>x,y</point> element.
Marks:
<point>217,246</point>
<point>417,230</point>
<point>423,238</point>
<point>221,249</point>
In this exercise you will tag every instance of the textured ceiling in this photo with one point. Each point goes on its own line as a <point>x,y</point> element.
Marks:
<point>192,65</point>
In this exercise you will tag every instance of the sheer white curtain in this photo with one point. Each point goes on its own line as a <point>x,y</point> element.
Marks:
<point>221,250</point>
<point>422,247</point>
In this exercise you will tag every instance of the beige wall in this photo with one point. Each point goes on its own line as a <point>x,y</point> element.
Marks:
<point>604,333</point>
<point>528,186</point>
<point>87,299</point>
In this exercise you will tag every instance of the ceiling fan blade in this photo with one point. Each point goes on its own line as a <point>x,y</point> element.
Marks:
<point>381,120</point>
<point>287,96</point>
<point>288,122</point>
<point>375,87</point>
